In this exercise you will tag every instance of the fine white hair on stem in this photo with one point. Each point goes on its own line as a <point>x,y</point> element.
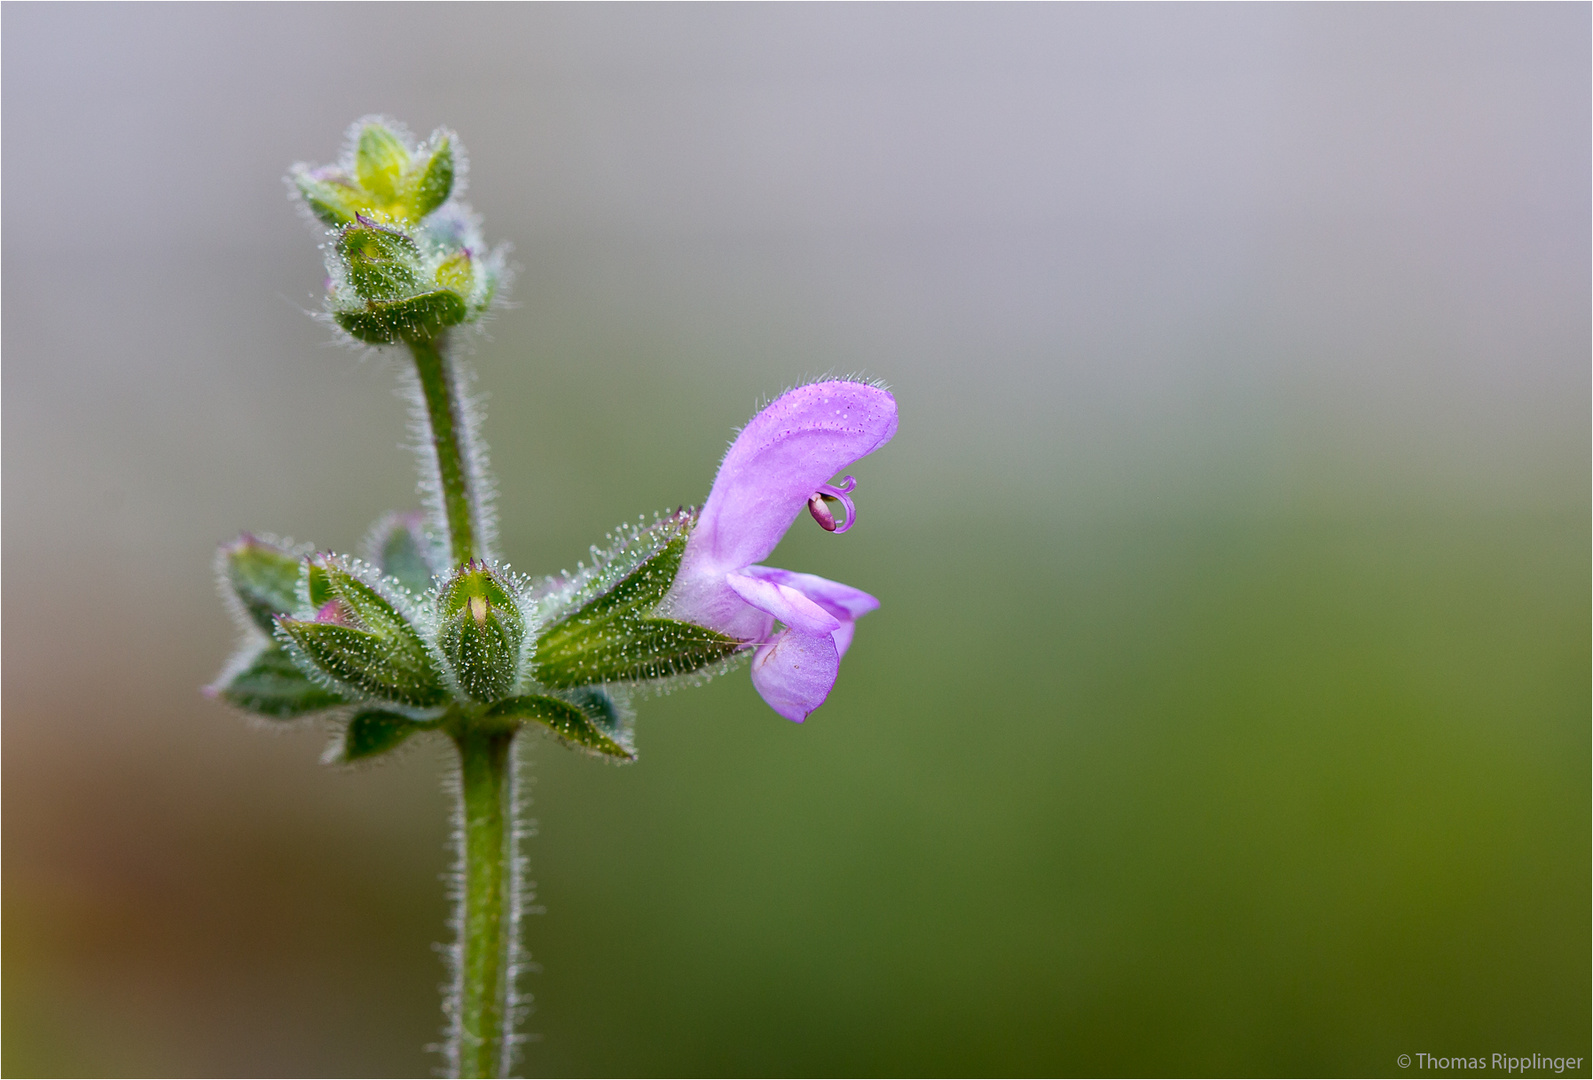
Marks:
<point>473,452</point>
<point>519,896</point>
<point>452,952</point>
<point>517,1002</point>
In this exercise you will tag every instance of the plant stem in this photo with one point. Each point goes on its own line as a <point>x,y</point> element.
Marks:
<point>447,434</point>
<point>481,999</point>
<point>483,975</point>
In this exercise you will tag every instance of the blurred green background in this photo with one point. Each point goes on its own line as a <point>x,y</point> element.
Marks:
<point>1227,711</point>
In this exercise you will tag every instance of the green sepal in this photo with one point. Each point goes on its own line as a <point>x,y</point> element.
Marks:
<point>383,263</point>
<point>584,729</point>
<point>430,184</point>
<point>271,685</point>
<point>480,630</point>
<point>613,639</point>
<point>263,577</point>
<point>374,732</point>
<point>364,643</point>
<point>398,545</point>
<point>334,201</point>
<point>380,161</point>
<point>419,318</point>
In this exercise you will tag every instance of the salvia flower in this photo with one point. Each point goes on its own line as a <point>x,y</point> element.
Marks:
<point>431,636</point>
<point>779,465</point>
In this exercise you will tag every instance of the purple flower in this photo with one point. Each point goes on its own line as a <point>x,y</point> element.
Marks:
<point>779,464</point>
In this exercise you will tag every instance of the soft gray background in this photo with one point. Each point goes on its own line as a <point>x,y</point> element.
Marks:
<point>1228,707</point>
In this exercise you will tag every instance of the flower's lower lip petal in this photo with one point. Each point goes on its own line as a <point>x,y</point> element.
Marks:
<point>842,601</point>
<point>795,672</point>
<point>784,603</point>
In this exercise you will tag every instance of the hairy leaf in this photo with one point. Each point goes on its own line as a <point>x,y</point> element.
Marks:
<point>587,729</point>
<point>273,686</point>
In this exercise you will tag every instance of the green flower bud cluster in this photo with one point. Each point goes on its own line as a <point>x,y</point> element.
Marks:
<point>402,644</point>
<point>405,258</point>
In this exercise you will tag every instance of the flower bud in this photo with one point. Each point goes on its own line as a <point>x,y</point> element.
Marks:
<point>380,178</point>
<point>382,263</point>
<point>360,640</point>
<point>480,631</point>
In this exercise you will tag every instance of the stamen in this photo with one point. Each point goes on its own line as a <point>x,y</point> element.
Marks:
<point>818,505</point>
<point>821,513</point>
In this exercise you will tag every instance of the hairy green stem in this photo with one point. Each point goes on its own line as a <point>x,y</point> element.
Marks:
<point>444,412</point>
<point>481,995</point>
<point>483,989</point>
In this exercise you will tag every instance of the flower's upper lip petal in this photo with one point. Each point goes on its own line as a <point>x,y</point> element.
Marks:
<point>784,603</point>
<point>842,601</point>
<point>798,442</point>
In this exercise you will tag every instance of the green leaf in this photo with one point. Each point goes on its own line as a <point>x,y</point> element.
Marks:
<point>419,318</point>
<point>612,639</point>
<point>432,183</point>
<point>272,685</point>
<point>480,632</point>
<point>264,578</point>
<point>580,728</point>
<point>380,160</point>
<point>375,732</point>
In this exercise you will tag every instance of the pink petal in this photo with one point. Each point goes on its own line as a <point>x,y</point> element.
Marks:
<point>842,601</point>
<point>798,442</point>
<point>795,672</point>
<point>843,638</point>
<point>784,603</point>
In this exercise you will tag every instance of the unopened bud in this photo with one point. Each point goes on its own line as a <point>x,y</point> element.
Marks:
<point>360,640</point>
<point>383,264</point>
<point>481,631</point>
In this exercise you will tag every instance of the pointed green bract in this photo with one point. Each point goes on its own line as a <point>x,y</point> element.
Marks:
<point>264,578</point>
<point>398,545</point>
<point>363,642</point>
<point>380,161</point>
<point>480,632</point>
<point>582,728</point>
<point>432,182</point>
<point>271,685</point>
<point>374,732</point>
<point>368,665</point>
<point>613,639</point>
<point>334,201</point>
